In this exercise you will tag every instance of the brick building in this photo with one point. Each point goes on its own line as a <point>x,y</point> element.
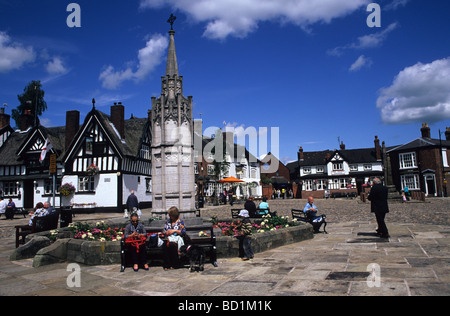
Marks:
<point>422,164</point>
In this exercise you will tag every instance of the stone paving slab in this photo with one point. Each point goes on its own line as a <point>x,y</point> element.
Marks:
<point>333,264</point>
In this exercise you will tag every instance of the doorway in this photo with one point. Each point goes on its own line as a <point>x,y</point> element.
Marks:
<point>28,194</point>
<point>430,185</point>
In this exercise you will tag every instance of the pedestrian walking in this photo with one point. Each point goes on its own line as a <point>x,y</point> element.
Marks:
<point>379,205</point>
<point>132,203</point>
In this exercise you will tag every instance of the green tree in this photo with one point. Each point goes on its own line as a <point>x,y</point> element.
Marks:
<point>31,99</point>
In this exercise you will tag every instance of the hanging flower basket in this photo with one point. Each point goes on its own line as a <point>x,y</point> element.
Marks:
<point>66,189</point>
<point>92,170</point>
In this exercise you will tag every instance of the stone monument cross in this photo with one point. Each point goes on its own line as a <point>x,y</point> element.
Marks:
<point>171,20</point>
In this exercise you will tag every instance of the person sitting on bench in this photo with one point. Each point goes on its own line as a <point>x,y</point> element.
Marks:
<point>39,212</point>
<point>250,206</point>
<point>310,208</point>
<point>135,229</point>
<point>263,208</point>
<point>174,230</point>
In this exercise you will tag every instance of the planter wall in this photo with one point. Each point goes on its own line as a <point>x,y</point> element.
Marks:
<point>107,253</point>
<point>228,247</point>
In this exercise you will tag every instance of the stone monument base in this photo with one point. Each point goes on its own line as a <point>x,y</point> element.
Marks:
<point>393,194</point>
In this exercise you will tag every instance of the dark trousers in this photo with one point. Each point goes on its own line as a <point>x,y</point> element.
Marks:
<point>245,247</point>
<point>382,228</point>
<point>138,258</point>
<point>171,258</point>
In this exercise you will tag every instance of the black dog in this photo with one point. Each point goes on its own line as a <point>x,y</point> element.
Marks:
<point>196,256</point>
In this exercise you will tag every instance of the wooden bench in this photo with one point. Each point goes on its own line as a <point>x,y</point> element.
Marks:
<point>308,218</point>
<point>191,238</point>
<point>10,213</point>
<point>235,213</point>
<point>336,195</point>
<point>299,215</point>
<point>40,224</point>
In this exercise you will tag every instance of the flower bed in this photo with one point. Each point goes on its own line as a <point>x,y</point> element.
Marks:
<point>99,232</point>
<point>268,223</point>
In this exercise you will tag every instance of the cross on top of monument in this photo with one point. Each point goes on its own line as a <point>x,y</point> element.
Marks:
<point>171,20</point>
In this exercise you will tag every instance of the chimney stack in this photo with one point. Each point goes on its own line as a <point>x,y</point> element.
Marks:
<point>26,120</point>
<point>378,152</point>
<point>342,146</point>
<point>426,131</point>
<point>301,157</point>
<point>72,126</point>
<point>5,119</point>
<point>118,118</point>
<point>447,133</point>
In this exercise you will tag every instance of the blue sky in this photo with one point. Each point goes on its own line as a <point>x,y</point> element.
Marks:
<point>315,69</point>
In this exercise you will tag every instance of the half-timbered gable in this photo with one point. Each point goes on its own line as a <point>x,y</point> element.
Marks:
<point>5,128</point>
<point>4,134</point>
<point>108,158</point>
<point>93,146</point>
<point>22,176</point>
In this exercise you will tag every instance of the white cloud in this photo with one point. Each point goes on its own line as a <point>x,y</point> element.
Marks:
<point>420,93</point>
<point>395,4</point>
<point>238,18</point>
<point>149,57</point>
<point>55,66</point>
<point>13,55</point>
<point>366,41</point>
<point>360,63</point>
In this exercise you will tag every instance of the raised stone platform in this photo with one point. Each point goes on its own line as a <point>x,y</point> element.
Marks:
<point>107,253</point>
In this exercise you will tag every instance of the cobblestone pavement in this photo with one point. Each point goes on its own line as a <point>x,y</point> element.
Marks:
<point>349,261</point>
<point>433,211</point>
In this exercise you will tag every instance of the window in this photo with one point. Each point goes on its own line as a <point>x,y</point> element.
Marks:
<point>48,185</point>
<point>10,189</point>
<point>253,173</point>
<point>148,185</point>
<point>320,169</point>
<point>353,167</point>
<point>338,184</point>
<point>410,181</point>
<point>367,167</point>
<point>85,184</point>
<point>145,152</point>
<point>307,170</point>
<point>407,160</point>
<point>89,145</point>
<point>338,166</point>
<point>211,170</point>
<point>314,185</point>
<point>196,168</point>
